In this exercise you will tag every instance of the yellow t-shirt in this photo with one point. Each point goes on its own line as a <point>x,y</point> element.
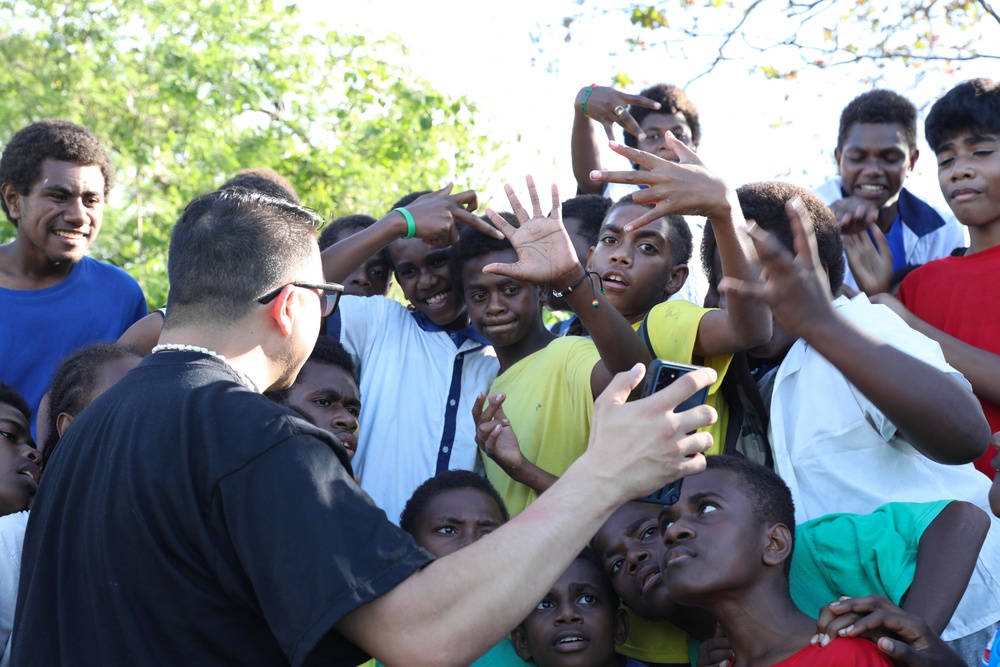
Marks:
<point>673,328</point>
<point>550,405</point>
<point>654,641</point>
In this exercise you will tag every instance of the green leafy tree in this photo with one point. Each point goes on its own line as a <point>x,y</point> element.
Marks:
<point>805,33</point>
<point>187,93</point>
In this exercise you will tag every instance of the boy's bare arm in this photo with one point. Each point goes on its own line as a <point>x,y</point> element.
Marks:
<point>980,368</point>
<point>946,557</point>
<point>545,256</point>
<point>456,608</point>
<point>690,188</point>
<point>601,103</point>
<point>931,409</point>
<point>434,218</point>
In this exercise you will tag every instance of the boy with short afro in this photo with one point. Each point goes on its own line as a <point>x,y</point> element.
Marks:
<point>876,149</point>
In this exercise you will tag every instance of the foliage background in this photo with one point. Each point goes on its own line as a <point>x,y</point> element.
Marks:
<point>186,94</point>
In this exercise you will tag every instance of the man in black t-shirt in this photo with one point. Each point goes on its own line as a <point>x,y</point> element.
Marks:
<point>186,519</point>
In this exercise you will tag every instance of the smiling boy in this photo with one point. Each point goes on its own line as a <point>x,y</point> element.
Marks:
<point>54,179</point>
<point>876,149</point>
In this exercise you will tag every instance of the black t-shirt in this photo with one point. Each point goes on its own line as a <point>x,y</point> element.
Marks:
<point>184,519</point>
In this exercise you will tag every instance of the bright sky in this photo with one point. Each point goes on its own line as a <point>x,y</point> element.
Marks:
<point>752,128</point>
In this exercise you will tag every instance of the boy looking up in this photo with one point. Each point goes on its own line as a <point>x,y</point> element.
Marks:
<point>578,623</point>
<point>952,300</point>
<point>550,383</point>
<point>876,149</point>
<point>419,369</point>
<point>729,541</point>
<point>874,435</point>
<point>54,179</point>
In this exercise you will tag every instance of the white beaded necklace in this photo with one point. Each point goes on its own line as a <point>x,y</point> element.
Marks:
<point>177,347</point>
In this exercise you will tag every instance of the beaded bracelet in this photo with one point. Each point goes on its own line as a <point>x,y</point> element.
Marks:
<point>586,274</point>
<point>586,96</point>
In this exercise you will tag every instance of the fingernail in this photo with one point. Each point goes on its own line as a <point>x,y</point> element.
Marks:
<point>614,144</point>
<point>846,630</point>
<point>815,638</point>
<point>595,175</point>
<point>642,136</point>
<point>824,640</point>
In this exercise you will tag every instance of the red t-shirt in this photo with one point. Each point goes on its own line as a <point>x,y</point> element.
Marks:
<point>959,296</point>
<point>841,652</point>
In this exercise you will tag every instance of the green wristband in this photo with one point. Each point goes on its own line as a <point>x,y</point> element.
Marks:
<point>586,96</point>
<point>411,227</point>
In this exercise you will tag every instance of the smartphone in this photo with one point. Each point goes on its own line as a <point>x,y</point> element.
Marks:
<point>662,374</point>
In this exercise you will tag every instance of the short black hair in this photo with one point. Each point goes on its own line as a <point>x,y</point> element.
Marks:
<point>446,481</point>
<point>327,351</point>
<point>75,382</point>
<point>13,398</point>
<point>263,180</point>
<point>590,557</point>
<point>880,107</point>
<point>672,100</point>
<point>51,139</point>
<point>971,106</point>
<point>764,203</point>
<point>231,247</point>
<point>769,495</point>
<point>473,243</point>
<point>335,230</point>
<point>678,231</point>
<point>590,210</point>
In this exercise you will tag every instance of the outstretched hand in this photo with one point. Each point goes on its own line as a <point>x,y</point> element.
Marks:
<point>663,445</point>
<point>435,214</point>
<point>602,103</point>
<point>545,254</point>
<point>870,260</point>
<point>797,289</point>
<point>685,187</point>
<point>854,214</point>
<point>902,636</point>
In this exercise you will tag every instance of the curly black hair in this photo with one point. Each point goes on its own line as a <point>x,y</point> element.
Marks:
<point>51,139</point>
<point>446,481</point>
<point>672,100</point>
<point>264,180</point>
<point>764,203</point>
<point>74,384</point>
<point>971,106</point>
<point>337,229</point>
<point>473,243</point>
<point>590,210</point>
<point>678,230</point>
<point>880,107</point>
<point>13,398</point>
<point>769,496</point>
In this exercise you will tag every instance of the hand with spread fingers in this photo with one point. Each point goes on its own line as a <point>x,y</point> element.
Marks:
<point>686,187</point>
<point>797,289</point>
<point>902,636</point>
<point>870,260</point>
<point>545,254</point>
<point>494,435</point>
<point>435,214</point>
<point>608,106</point>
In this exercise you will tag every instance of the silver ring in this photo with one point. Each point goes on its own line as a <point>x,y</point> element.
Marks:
<point>619,110</point>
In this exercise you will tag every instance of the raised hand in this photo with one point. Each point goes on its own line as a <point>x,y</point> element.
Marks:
<point>797,289</point>
<point>604,104</point>
<point>870,261</point>
<point>902,636</point>
<point>545,254</point>
<point>685,187</point>
<point>435,214</point>
<point>854,214</point>
<point>494,434</point>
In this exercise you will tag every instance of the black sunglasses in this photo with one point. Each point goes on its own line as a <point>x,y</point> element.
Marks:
<point>329,295</point>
